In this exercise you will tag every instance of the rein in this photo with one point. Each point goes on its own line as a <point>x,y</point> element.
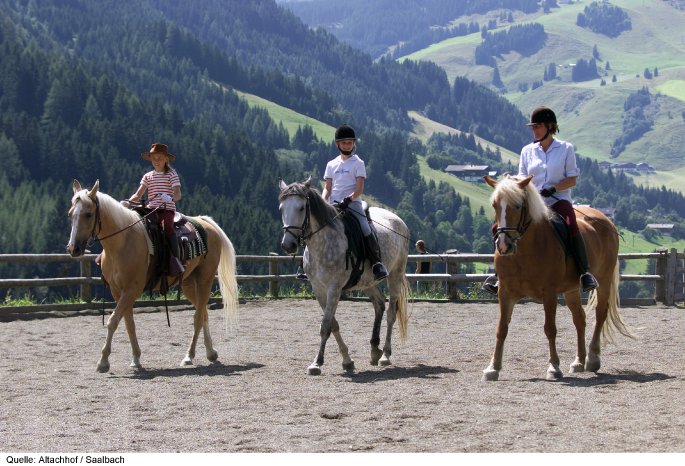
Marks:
<point>98,224</point>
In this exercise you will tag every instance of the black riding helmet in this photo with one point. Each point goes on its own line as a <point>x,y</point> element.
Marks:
<point>344,132</point>
<point>544,115</point>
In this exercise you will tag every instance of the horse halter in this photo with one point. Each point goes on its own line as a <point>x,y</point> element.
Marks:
<point>301,237</point>
<point>520,229</point>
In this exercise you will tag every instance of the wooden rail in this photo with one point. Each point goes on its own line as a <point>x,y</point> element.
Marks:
<point>668,278</point>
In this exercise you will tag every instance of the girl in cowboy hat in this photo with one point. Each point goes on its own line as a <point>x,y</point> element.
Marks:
<point>163,188</point>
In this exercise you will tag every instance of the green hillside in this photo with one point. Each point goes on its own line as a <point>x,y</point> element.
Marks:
<point>590,115</point>
<point>290,119</point>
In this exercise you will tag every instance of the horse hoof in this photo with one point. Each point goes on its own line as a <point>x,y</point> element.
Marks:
<point>592,364</point>
<point>314,370</point>
<point>490,375</point>
<point>186,362</point>
<point>349,367</point>
<point>554,374</point>
<point>576,367</point>
<point>213,356</point>
<point>385,361</point>
<point>375,356</point>
<point>102,368</point>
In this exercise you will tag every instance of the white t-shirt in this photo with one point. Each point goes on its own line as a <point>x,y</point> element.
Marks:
<point>343,174</point>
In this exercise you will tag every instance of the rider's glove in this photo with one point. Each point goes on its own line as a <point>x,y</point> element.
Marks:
<point>547,192</point>
<point>346,202</point>
<point>125,203</point>
<point>166,198</point>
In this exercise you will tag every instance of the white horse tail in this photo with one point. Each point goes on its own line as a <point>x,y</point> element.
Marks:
<point>401,308</point>
<point>228,285</point>
<point>613,320</point>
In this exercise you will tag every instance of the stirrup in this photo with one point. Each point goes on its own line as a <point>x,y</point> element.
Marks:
<point>379,272</point>
<point>588,282</point>
<point>491,285</point>
<point>300,275</point>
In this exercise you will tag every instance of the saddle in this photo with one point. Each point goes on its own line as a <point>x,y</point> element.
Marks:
<point>192,240</point>
<point>357,252</point>
<point>561,231</point>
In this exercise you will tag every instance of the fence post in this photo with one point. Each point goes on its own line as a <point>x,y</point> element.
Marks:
<point>670,278</point>
<point>660,286</point>
<point>86,291</point>
<point>452,269</point>
<point>273,270</point>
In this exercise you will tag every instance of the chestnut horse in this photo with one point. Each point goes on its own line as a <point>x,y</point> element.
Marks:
<point>126,262</point>
<point>530,261</point>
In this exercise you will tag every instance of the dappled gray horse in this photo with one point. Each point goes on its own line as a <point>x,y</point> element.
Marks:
<point>309,219</point>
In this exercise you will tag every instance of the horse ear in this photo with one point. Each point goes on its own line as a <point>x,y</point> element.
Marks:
<point>282,185</point>
<point>490,180</point>
<point>94,191</point>
<point>308,181</point>
<point>524,182</point>
<point>76,186</point>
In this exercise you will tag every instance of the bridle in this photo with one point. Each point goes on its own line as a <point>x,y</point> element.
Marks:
<point>303,236</point>
<point>520,229</point>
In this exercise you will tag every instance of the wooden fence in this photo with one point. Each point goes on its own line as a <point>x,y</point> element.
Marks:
<point>668,277</point>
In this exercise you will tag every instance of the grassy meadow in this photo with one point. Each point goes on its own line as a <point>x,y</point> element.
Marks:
<point>591,115</point>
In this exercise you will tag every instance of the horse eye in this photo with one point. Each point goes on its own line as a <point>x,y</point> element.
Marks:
<point>88,214</point>
<point>301,209</point>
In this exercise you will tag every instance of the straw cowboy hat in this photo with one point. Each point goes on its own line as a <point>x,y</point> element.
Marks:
<point>158,148</point>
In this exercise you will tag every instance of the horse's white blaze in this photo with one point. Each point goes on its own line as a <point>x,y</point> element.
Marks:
<point>74,224</point>
<point>501,239</point>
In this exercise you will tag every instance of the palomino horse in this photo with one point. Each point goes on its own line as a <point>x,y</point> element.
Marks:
<point>530,261</point>
<point>126,266</point>
<point>309,219</point>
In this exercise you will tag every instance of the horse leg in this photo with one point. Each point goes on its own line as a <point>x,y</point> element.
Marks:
<point>124,304</point>
<point>593,361</point>
<point>328,304</point>
<point>550,305</point>
<point>378,301</point>
<point>348,363</point>
<point>575,305</point>
<point>199,298</point>
<point>131,330</point>
<point>506,307</point>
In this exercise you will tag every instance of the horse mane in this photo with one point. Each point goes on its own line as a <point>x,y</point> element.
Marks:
<point>509,190</point>
<point>119,214</point>
<point>323,212</point>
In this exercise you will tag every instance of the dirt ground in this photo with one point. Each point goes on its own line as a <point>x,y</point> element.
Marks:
<point>258,398</point>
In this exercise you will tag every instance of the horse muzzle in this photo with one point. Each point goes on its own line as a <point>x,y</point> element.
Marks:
<point>288,245</point>
<point>76,249</point>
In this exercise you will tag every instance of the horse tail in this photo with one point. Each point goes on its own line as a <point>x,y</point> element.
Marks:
<point>228,285</point>
<point>401,307</point>
<point>613,320</point>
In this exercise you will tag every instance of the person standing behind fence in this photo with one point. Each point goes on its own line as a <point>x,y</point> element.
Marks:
<point>422,266</point>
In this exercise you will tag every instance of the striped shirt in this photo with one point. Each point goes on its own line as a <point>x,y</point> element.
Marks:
<point>158,183</point>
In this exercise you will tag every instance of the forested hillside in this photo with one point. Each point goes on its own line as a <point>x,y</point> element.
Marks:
<point>86,86</point>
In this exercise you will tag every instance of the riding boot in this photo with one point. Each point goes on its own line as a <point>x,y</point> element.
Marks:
<point>374,252</point>
<point>175,265</point>
<point>491,284</point>
<point>587,281</point>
